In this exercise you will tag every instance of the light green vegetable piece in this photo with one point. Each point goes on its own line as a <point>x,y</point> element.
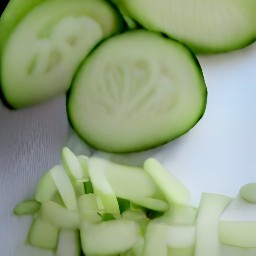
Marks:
<point>42,234</point>
<point>207,235</point>
<point>237,224</point>
<point>101,185</point>
<point>173,190</point>
<point>14,12</point>
<point>60,216</point>
<point>68,243</point>
<point>27,207</point>
<point>71,164</point>
<point>64,187</point>
<point>109,238</point>
<point>45,188</point>
<point>248,192</point>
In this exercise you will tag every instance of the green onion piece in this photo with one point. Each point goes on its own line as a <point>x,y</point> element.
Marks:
<point>124,204</point>
<point>88,188</point>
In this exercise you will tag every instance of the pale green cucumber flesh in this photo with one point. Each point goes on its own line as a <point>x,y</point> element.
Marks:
<point>142,99</point>
<point>179,232</point>
<point>155,240</point>
<point>180,251</point>
<point>27,207</point>
<point>59,216</point>
<point>206,26</point>
<point>75,169</point>
<point>128,182</point>
<point>64,186</point>
<point>180,215</point>
<point>88,209</point>
<point>238,233</point>
<point>137,248</point>
<point>72,165</point>
<point>45,188</point>
<point>101,185</point>
<point>173,190</point>
<point>83,160</point>
<point>68,243</point>
<point>248,192</point>
<point>50,48</point>
<point>207,236</point>
<point>14,12</point>
<point>111,237</point>
<point>182,237</point>
<point>237,224</point>
<point>42,234</point>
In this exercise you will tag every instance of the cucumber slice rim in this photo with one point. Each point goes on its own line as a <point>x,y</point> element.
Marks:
<point>201,84</point>
<point>198,46</point>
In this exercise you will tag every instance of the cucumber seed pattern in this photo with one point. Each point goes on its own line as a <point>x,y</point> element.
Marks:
<point>137,88</point>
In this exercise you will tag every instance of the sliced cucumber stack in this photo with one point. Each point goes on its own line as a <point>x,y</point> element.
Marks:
<point>136,91</point>
<point>206,26</point>
<point>43,51</point>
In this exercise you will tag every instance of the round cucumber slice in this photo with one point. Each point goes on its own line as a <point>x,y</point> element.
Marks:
<point>136,91</point>
<point>206,26</point>
<point>44,51</point>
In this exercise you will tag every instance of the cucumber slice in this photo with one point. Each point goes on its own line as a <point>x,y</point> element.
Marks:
<point>138,216</point>
<point>137,248</point>
<point>181,240</point>
<point>72,165</point>
<point>180,230</point>
<point>68,244</point>
<point>76,172</point>
<point>101,186</point>
<point>109,238</point>
<point>207,236</point>
<point>206,26</point>
<point>59,216</point>
<point>46,188</point>
<point>237,224</point>
<point>151,90</point>
<point>128,182</point>
<point>181,252</point>
<point>44,51</point>
<point>180,215</point>
<point>155,239</point>
<point>64,187</point>
<point>173,190</point>
<point>88,209</point>
<point>27,207</point>
<point>83,160</point>
<point>42,234</point>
